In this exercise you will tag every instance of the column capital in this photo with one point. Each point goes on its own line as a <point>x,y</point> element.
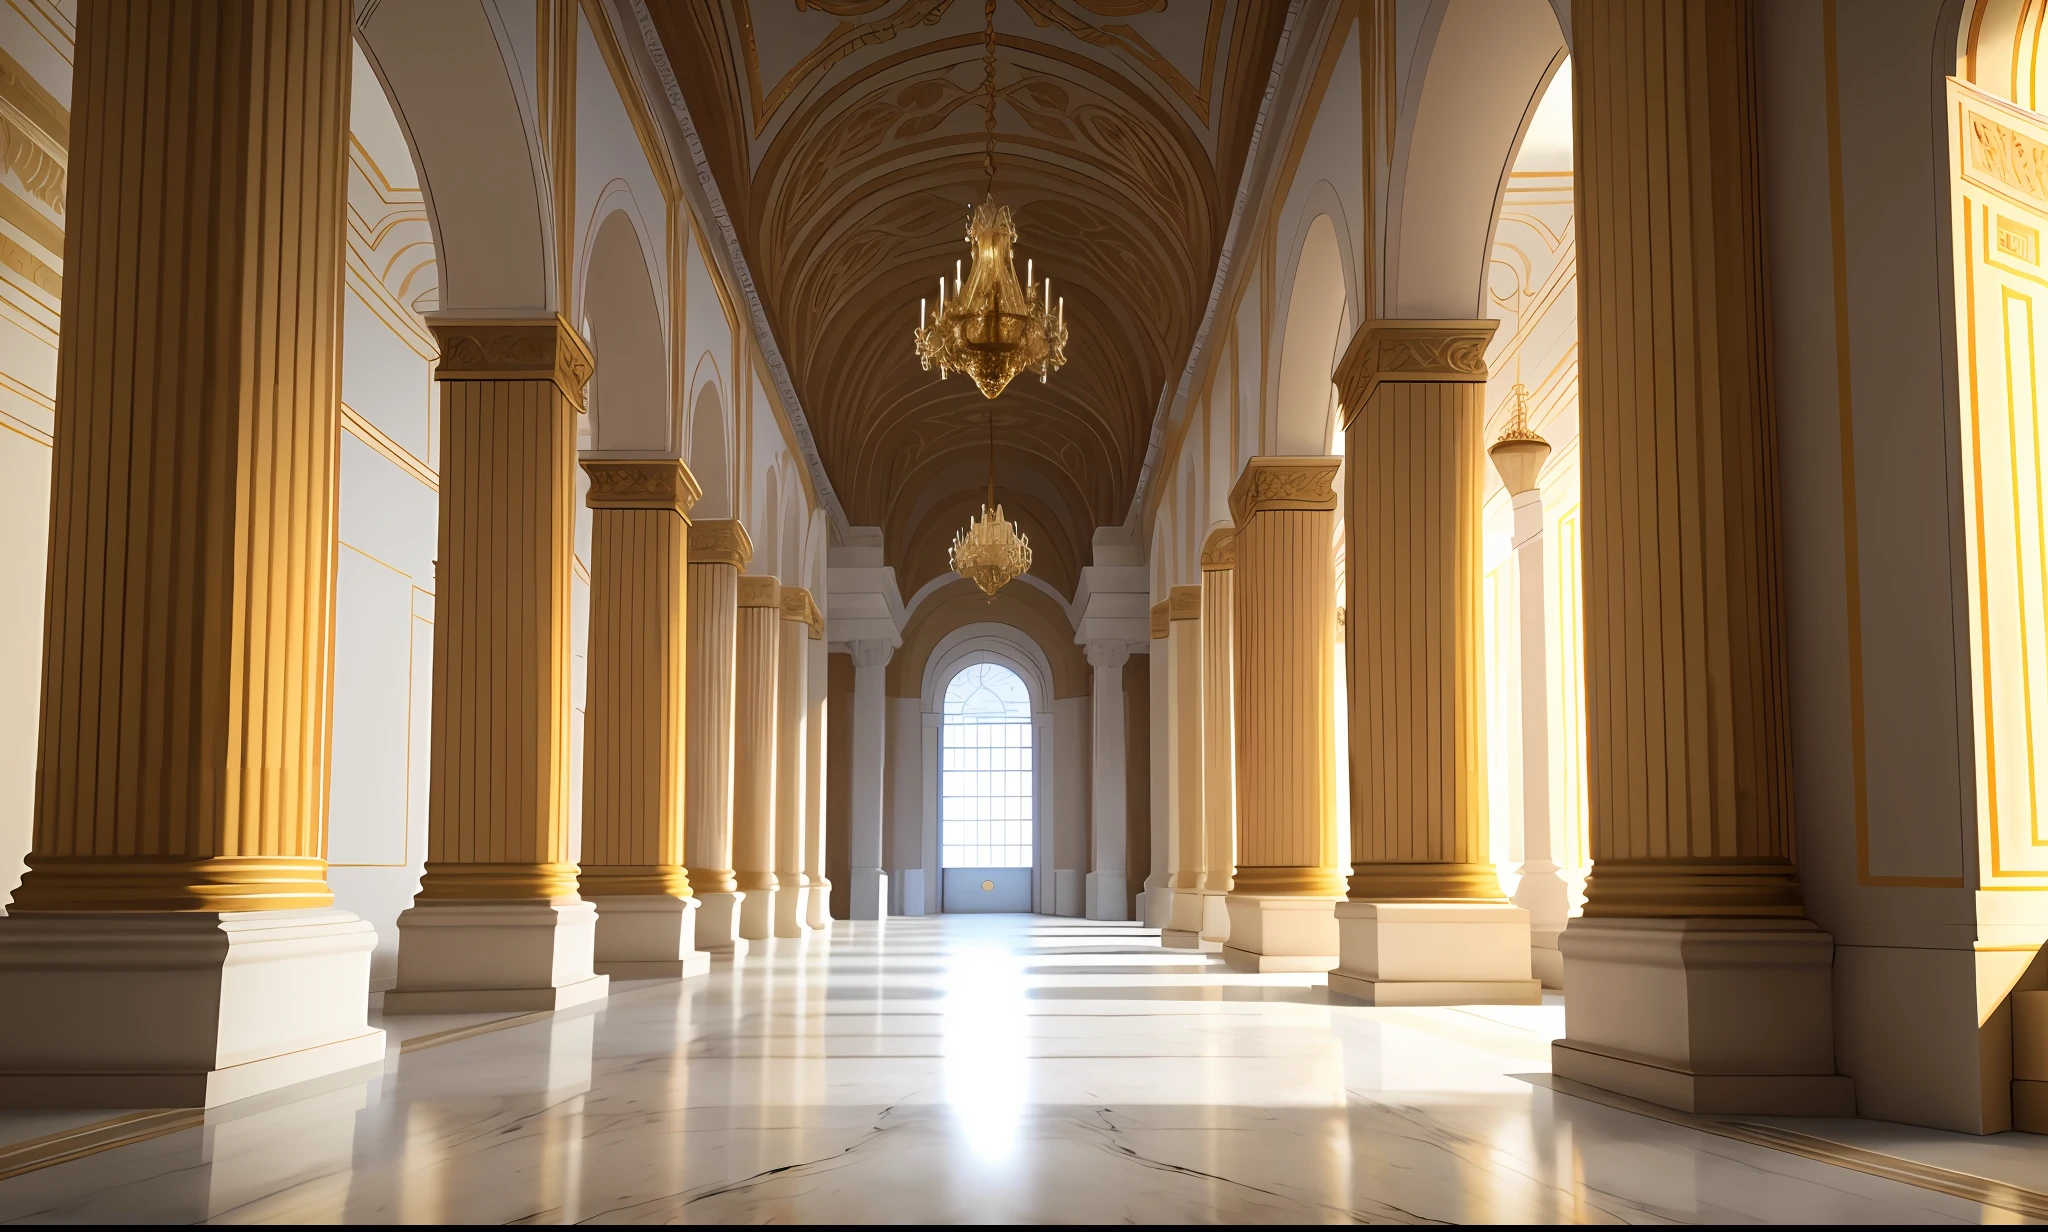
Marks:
<point>513,349</point>
<point>798,605</point>
<point>872,652</point>
<point>641,483</point>
<point>1159,619</point>
<point>1411,350</point>
<point>1108,656</point>
<point>720,541</point>
<point>760,590</point>
<point>1219,550</point>
<point>1279,483</point>
<point>1184,603</point>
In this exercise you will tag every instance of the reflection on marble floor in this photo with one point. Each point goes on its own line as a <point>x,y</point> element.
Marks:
<point>965,1069</point>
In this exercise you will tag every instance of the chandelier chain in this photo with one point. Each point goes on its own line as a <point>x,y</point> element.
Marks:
<point>988,86</point>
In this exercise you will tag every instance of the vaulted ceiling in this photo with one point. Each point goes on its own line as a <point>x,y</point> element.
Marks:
<point>846,137</point>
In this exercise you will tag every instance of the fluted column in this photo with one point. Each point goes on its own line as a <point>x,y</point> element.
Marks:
<point>1181,664</point>
<point>182,772</point>
<point>818,912</point>
<point>719,549</point>
<point>1426,922</point>
<point>1283,639</point>
<point>1219,733</point>
<point>756,658</point>
<point>1694,976</point>
<point>792,699</point>
<point>1105,886</point>
<point>632,869</point>
<point>498,923</point>
<point>869,893</point>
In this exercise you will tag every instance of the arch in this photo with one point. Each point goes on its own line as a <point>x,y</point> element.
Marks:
<point>444,69</point>
<point>707,457</point>
<point>1480,69</point>
<point>1315,329</point>
<point>627,337</point>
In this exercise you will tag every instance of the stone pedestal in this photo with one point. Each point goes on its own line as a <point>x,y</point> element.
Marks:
<point>718,923</point>
<point>868,895</point>
<point>1183,929</point>
<point>180,1009</point>
<point>1437,953</point>
<point>1702,1015</point>
<point>1282,933</point>
<point>457,957</point>
<point>1215,918</point>
<point>645,936</point>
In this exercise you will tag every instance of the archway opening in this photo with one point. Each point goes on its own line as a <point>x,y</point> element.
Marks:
<point>986,805</point>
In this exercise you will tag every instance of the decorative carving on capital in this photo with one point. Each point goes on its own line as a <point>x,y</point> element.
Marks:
<point>1108,656</point>
<point>872,652</point>
<point>1410,351</point>
<point>1270,484</point>
<point>720,541</point>
<point>514,350</point>
<point>798,605</point>
<point>1219,551</point>
<point>1159,620</point>
<point>641,483</point>
<point>1184,603</point>
<point>760,590</point>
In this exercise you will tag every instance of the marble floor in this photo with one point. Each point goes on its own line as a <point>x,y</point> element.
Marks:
<point>980,1069</point>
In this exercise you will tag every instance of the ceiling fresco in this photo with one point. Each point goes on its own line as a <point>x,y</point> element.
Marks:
<point>846,137</point>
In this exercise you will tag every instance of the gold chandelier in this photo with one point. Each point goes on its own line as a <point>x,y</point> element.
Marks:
<point>993,327</point>
<point>991,552</point>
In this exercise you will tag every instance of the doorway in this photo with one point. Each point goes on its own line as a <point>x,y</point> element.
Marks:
<point>985,792</point>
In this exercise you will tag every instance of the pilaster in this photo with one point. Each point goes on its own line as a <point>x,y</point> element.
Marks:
<point>1181,664</point>
<point>1426,922</point>
<point>869,893</point>
<point>174,941</point>
<point>719,549</point>
<point>1693,924</point>
<point>1219,733</point>
<point>632,870</point>
<point>757,657</point>
<point>1283,640</point>
<point>1105,888</point>
<point>792,698</point>
<point>818,910</point>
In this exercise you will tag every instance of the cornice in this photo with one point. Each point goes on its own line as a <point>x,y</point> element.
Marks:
<point>720,541</point>
<point>760,590</point>
<point>641,483</point>
<point>1410,351</point>
<point>513,350</point>
<point>1184,603</point>
<point>1219,550</point>
<point>1279,484</point>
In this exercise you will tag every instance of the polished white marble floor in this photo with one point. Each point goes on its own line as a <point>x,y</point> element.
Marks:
<point>965,1069</point>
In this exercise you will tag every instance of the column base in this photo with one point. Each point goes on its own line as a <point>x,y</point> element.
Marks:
<point>1281,933</point>
<point>647,936</point>
<point>757,914</point>
<point>868,894</point>
<point>457,957</point>
<point>1716,1016</point>
<point>1183,928</point>
<point>1215,916</point>
<point>180,1009</point>
<point>792,906</point>
<point>1106,897</point>
<point>1434,953</point>
<point>1546,961</point>
<point>818,913</point>
<point>718,924</point>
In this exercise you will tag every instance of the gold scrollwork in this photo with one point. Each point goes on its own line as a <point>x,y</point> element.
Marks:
<point>1270,484</point>
<point>661,483</point>
<point>720,541</point>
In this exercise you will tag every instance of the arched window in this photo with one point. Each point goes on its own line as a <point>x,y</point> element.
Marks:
<point>985,779</point>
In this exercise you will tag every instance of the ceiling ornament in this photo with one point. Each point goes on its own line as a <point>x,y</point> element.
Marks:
<point>991,552</point>
<point>993,328</point>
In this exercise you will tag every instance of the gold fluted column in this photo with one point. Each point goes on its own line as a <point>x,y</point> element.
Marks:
<point>792,699</point>
<point>1426,922</point>
<point>719,549</point>
<point>498,923</point>
<point>1181,664</point>
<point>1283,639</point>
<point>756,657</point>
<point>818,909</point>
<point>182,772</point>
<point>632,869</point>
<point>1219,733</point>
<point>1694,977</point>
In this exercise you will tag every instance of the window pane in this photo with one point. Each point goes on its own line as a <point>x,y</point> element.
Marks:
<point>985,762</point>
